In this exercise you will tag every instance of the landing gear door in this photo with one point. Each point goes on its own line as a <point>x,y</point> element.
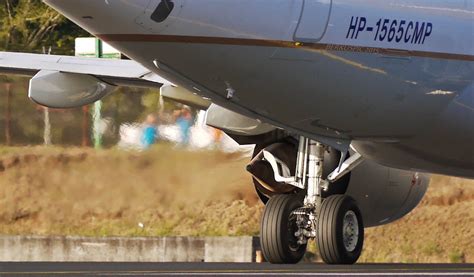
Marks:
<point>313,21</point>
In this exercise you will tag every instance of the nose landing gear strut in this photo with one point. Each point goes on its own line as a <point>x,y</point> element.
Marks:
<point>290,220</point>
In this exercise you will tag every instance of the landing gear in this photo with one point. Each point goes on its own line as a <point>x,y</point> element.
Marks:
<point>288,222</point>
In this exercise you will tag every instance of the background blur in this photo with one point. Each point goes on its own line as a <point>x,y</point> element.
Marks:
<point>23,121</point>
<point>56,180</point>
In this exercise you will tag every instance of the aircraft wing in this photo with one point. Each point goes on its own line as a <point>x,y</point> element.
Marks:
<point>115,72</point>
<point>69,82</point>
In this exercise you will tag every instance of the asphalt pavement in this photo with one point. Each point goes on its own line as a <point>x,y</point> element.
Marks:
<point>231,269</point>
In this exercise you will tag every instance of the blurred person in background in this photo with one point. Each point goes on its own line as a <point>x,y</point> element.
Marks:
<point>150,131</point>
<point>217,134</point>
<point>184,120</point>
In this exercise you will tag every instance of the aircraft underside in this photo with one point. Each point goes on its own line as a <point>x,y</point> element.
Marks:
<point>321,94</point>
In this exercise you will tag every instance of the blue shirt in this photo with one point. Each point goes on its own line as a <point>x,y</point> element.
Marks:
<point>184,125</point>
<point>150,133</point>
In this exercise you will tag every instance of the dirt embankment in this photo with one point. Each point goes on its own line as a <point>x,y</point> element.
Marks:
<point>440,229</point>
<point>169,191</point>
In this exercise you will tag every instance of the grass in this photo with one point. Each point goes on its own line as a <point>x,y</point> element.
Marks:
<point>431,248</point>
<point>171,191</point>
<point>456,256</point>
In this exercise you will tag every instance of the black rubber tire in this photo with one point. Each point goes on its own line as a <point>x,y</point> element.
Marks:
<point>277,230</point>
<point>330,230</point>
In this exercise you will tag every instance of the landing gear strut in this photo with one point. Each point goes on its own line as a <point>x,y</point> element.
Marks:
<point>290,220</point>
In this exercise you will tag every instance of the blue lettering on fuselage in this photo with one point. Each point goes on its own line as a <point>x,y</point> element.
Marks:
<point>391,30</point>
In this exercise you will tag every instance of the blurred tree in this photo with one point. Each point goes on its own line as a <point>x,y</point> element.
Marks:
<point>30,25</point>
<point>8,136</point>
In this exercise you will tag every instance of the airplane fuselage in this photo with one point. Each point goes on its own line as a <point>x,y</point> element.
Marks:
<point>394,78</point>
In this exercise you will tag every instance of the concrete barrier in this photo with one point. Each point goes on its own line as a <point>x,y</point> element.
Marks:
<point>122,249</point>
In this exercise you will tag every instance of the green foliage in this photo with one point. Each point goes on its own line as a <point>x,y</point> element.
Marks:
<point>30,25</point>
<point>431,248</point>
<point>457,257</point>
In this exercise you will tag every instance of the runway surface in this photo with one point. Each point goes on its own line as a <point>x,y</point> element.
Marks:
<point>231,269</point>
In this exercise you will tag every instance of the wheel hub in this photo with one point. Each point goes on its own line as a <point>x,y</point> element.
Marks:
<point>350,231</point>
<point>306,223</point>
